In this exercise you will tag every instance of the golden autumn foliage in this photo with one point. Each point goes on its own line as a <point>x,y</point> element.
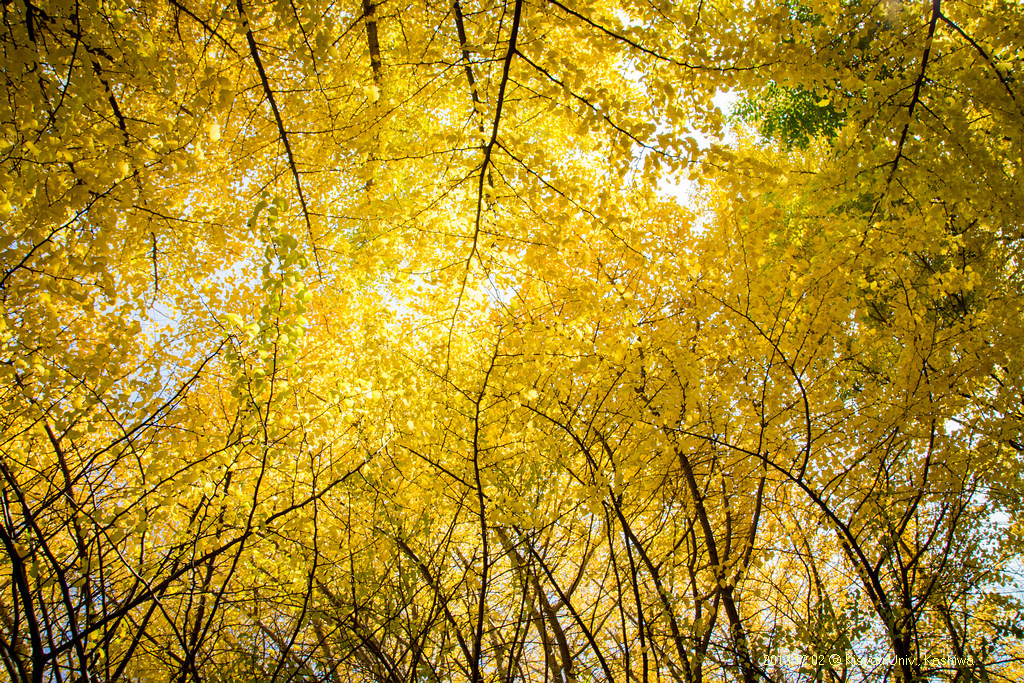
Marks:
<point>365,341</point>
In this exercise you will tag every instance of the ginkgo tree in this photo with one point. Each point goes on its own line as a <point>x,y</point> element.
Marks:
<point>361,341</point>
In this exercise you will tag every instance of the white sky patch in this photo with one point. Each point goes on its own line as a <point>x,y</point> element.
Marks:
<point>682,187</point>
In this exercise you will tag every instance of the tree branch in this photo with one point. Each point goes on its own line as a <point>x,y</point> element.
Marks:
<point>255,52</point>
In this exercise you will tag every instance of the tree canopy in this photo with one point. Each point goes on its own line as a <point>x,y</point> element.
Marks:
<point>366,341</point>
